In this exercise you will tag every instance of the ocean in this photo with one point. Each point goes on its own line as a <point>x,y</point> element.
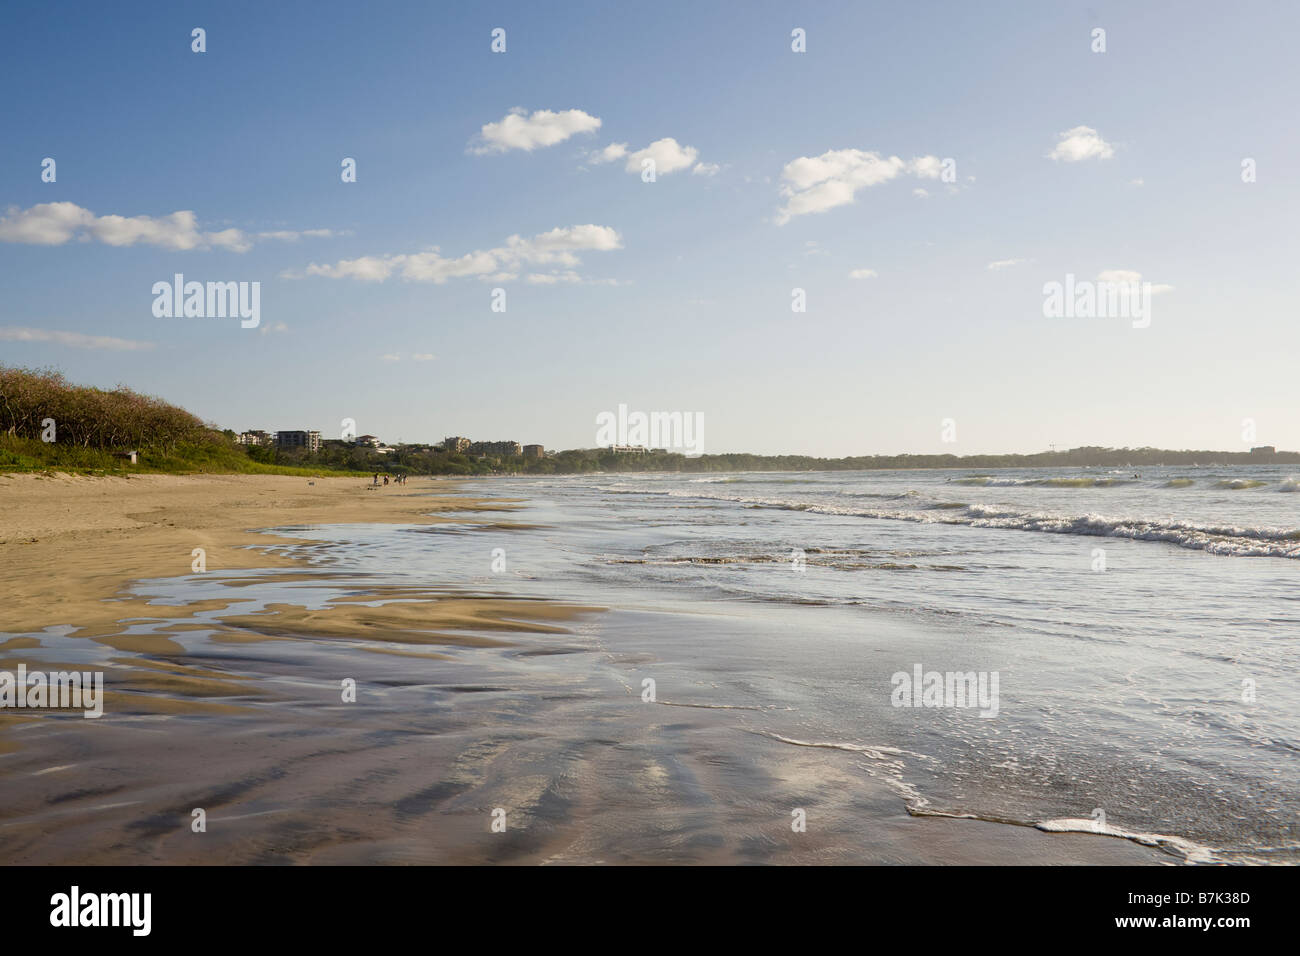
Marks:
<point>1144,626</point>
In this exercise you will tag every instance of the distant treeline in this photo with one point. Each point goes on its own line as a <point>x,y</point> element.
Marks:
<point>427,461</point>
<point>47,422</point>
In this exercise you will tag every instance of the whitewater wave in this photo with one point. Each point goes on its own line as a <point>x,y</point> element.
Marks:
<point>988,481</point>
<point>1231,540</point>
<point>1189,850</point>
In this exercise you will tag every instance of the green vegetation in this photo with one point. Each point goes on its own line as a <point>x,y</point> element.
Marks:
<point>568,462</point>
<point>94,430</point>
<point>415,459</point>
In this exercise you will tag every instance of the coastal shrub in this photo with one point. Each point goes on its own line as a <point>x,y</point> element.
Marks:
<point>93,418</point>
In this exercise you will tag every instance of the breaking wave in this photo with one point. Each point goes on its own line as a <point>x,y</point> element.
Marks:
<point>988,481</point>
<point>1222,539</point>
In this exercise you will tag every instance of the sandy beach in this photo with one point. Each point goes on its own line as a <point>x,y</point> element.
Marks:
<point>471,700</point>
<point>72,546</point>
<point>68,544</point>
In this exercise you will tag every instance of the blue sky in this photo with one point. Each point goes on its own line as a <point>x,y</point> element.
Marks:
<point>680,298</point>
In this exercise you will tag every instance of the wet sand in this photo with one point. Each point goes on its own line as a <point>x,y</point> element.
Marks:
<point>68,543</point>
<point>469,704</point>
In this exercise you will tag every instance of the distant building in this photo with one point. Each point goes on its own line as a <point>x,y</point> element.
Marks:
<point>534,451</point>
<point>367,441</point>
<point>298,439</point>
<point>253,437</point>
<point>456,446</point>
<point>1264,451</point>
<point>628,449</point>
<point>497,449</point>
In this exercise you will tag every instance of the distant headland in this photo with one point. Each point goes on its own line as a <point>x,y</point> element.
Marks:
<point>49,424</point>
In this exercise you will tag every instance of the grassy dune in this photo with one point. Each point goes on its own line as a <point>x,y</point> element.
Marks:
<point>93,431</point>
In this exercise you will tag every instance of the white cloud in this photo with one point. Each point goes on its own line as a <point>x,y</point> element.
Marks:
<point>422,356</point>
<point>277,327</point>
<point>612,152</point>
<point>1080,143</point>
<point>1137,182</point>
<point>287,235</point>
<point>669,156</point>
<point>927,167</point>
<point>73,339</point>
<point>705,169</point>
<point>862,274</point>
<point>552,278</point>
<point>559,247</point>
<point>1129,277</point>
<point>55,223</point>
<point>1005,264</point>
<point>392,357</point>
<point>519,130</point>
<point>920,193</point>
<point>814,184</point>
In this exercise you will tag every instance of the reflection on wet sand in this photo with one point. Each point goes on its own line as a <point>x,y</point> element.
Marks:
<point>228,692</point>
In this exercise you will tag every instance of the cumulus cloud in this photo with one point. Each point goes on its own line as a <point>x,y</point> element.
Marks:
<point>926,167</point>
<point>814,184</point>
<point>669,156</point>
<point>520,130</point>
<point>862,274</point>
<point>611,153</point>
<point>75,340</point>
<point>559,247</point>
<point>1080,143</point>
<point>54,223</point>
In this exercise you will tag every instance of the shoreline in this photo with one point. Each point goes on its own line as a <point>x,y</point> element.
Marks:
<point>470,700</point>
<point>68,544</point>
